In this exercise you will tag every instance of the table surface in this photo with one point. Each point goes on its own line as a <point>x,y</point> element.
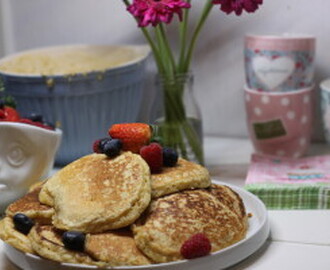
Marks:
<point>299,239</point>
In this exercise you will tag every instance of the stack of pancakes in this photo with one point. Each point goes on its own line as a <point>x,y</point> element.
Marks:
<point>128,216</point>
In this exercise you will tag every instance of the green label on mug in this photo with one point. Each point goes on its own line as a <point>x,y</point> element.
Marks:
<point>269,130</point>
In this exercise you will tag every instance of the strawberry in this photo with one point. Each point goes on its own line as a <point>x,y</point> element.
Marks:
<point>197,245</point>
<point>9,114</point>
<point>132,135</point>
<point>153,155</point>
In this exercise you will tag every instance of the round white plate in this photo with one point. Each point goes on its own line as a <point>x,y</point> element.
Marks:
<point>257,234</point>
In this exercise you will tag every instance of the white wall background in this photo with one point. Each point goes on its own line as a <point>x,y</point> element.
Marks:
<point>218,62</point>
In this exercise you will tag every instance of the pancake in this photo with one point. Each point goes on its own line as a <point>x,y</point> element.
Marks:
<point>185,175</point>
<point>172,219</point>
<point>36,185</point>
<point>116,248</point>
<point>113,248</point>
<point>46,240</point>
<point>30,206</point>
<point>11,236</point>
<point>230,198</point>
<point>96,193</point>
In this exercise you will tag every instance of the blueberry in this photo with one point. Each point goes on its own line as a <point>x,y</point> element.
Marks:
<point>103,142</point>
<point>112,147</point>
<point>35,117</point>
<point>49,124</point>
<point>23,223</point>
<point>74,240</point>
<point>170,157</point>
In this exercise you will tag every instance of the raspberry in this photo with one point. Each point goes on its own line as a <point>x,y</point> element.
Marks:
<point>2,114</point>
<point>197,245</point>
<point>153,155</point>
<point>36,124</point>
<point>26,121</point>
<point>98,145</point>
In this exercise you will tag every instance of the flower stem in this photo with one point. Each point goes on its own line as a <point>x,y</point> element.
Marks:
<point>176,127</point>
<point>167,46</point>
<point>205,13</point>
<point>165,51</point>
<point>183,38</point>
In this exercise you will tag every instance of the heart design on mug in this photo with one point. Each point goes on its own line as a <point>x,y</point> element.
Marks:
<point>273,72</point>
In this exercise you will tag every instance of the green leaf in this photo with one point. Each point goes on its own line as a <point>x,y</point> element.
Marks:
<point>10,101</point>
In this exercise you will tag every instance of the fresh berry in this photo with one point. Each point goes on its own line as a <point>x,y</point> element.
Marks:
<point>98,145</point>
<point>37,124</point>
<point>74,240</point>
<point>153,155</point>
<point>26,121</point>
<point>197,245</point>
<point>2,114</point>
<point>36,117</point>
<point>112,148</point>
<point>9,114</point>
<point>23,223</point>
<point>132,135</point>
<point>49,125</point>
<point>42,125</point>
<point>170,157</point>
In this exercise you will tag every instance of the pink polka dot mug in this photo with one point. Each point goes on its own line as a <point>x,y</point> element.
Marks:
<point>280,124</point>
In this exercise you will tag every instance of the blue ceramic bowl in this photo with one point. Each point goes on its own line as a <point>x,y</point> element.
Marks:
<point>85,105</point>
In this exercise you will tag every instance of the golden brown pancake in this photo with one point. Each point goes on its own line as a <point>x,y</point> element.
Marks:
<point>46,241</point>
<point>172,219</point>
<point>96,193</point>
<point>11,236</point>
<point>113,248</point>
<point>116,248</point>
<point>30,206</point>
<point>230,198</point>
<point>185,175</point>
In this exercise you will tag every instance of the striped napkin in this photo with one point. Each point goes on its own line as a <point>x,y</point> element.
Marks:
<point>284,183</point>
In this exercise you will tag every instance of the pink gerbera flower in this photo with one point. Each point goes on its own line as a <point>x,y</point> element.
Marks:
<point>238,6</point>
<point>156,11</point>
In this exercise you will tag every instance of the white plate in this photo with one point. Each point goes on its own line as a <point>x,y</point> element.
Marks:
<point>257,234</point>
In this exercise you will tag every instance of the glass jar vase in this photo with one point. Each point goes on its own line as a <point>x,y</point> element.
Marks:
<point>177,117</point>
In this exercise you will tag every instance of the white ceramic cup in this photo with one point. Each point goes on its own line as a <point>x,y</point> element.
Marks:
<point>27,154</point>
